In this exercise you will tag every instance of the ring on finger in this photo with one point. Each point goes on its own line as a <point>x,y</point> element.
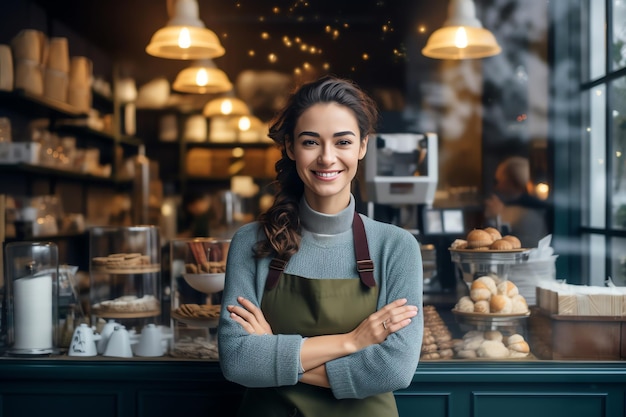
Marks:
<point>384,323</point>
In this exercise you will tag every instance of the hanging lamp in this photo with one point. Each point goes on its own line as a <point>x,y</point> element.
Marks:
<point>185,36</point>
<point>462,36</point>
<point>202,77</point>
<point>226,106</point>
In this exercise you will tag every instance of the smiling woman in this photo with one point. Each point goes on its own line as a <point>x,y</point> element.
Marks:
<point>325,303</point>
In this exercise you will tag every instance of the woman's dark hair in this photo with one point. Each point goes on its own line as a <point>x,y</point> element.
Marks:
<point>281,222</point>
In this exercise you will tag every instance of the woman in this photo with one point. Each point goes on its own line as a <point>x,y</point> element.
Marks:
<point>306,324</point>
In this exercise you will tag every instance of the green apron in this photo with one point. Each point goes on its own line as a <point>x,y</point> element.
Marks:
<point>314,307</point>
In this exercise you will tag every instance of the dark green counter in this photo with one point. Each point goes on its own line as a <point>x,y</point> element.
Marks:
<point>166,387</point>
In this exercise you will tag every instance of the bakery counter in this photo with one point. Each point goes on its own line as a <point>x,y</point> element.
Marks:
<point>166,386</point>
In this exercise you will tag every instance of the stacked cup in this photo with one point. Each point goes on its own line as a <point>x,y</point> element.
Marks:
<point>79,93</point>
<point>56,76</point>
<point>29,52</point>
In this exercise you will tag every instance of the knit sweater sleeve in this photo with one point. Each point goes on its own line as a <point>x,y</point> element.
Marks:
<point>390,365</point>
<point>252,360</point>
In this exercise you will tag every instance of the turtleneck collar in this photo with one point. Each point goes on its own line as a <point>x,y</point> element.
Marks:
<point>326,224</point>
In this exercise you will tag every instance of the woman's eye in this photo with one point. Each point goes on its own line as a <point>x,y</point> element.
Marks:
<point>309,142</point>
<point>344,142</point>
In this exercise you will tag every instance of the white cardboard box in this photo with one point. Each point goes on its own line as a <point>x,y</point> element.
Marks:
<point>19,152</point>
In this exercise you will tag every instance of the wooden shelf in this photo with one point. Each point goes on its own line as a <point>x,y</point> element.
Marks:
<point>37,106</point>
<point>28,169</point>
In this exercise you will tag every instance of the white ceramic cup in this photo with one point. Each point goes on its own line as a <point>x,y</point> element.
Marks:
<point>83,341</point>
<point>119,344</point>
<point>150,342</point>
<point>105,334</point>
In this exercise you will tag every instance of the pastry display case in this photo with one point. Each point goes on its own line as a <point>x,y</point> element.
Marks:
<point>198,267</point>
<point>125,275</point>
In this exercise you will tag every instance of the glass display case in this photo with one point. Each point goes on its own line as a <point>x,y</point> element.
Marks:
<point>198,269</point>
<point>125,275</point>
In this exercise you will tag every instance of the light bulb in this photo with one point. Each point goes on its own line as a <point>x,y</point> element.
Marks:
<point>202,77</point>
<point>244,123</point>
<point>460,38</point>
<point>227,107</point>
<point>184,40</point>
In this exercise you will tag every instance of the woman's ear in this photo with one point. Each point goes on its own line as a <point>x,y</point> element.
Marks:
<point>289,149</point>
<point>363,148</point>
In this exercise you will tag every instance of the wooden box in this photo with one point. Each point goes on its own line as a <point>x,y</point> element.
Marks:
<point>557,337</point>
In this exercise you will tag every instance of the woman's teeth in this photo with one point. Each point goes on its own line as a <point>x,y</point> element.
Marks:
<point>326,174</point>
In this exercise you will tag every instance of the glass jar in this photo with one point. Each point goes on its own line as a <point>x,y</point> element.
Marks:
<point>198,269</point>
<point>32,272</point>
<point>125,275</point>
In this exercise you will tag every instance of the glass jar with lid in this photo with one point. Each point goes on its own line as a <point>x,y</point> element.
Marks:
<point>198,269</point>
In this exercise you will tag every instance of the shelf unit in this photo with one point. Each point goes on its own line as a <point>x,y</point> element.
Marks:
<point>174,163</point>
<point>73,187</point>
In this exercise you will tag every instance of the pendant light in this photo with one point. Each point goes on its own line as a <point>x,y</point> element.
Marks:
<point>226,106</point>
<point>185,36</point>
<point>462,35</point>
<point>202,77</point>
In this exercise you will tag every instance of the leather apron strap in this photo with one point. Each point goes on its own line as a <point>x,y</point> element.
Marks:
<point>364,263</point>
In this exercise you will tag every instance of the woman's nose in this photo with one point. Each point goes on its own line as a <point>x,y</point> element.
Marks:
<point>327,155</point>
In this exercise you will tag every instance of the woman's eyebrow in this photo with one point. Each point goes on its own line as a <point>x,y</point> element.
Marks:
<point>335,135</point>
<point>345,133</point>
<point>305,133</point>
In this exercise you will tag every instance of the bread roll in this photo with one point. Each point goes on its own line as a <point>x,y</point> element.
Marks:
<point>459,244</point>
<point>481,306</point>
<point>500,304</point>
<point>493,335</point>
<point>514,338</point>
<point>516,354</point>
<point>521,346</point>
<point>495,233</point>
<point>480,294</point>
<point>514,241</point>
<point>473,333</point>
<point>473,343</point>
<point>519,304</point>
<point>478,238</point>
<point>486,281</point>
<point>465,304</point>
<point>507,288</point>
<point>466,354</point>
<point>501,244</point>
<point>492,349</point>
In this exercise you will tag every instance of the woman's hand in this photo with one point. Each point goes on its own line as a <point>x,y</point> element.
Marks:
<point>377,326</point>
<point>250,317</point>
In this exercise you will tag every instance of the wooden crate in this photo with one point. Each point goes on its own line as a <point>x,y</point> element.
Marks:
<point>557,337</point>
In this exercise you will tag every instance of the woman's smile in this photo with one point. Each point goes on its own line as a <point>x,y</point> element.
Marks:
<point>327,149</point>
<point>327,175</point>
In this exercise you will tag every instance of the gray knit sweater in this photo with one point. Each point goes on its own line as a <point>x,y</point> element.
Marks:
<point>326,252</point>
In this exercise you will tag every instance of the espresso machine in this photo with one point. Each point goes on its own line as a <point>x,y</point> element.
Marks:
<point>401,175</point>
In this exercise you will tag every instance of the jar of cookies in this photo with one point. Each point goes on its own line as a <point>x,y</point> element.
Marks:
<point>125,275</point>
<point>198,269</point>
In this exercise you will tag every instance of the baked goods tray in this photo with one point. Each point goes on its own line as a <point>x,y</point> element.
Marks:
<point>129,270</point>
<point>486,320</point>
<point>514,256</point>
<point>210,322</point>
<point>108,314</point>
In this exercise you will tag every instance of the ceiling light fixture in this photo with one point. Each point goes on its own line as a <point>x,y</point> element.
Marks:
<point>226,106</point>
<point>185,36</point>
<point>462,35</point>
<point>202,77</point>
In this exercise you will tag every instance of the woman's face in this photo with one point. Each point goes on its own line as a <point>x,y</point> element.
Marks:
<point>326,149</point>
